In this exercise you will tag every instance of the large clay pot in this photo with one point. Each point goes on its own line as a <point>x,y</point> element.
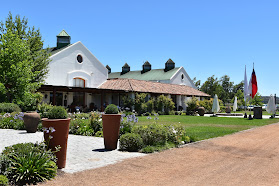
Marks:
<point>31,121</point>
<point>201,111</point>
<point>228,109</point>
<point>58,137</point>
<point>111,125</point>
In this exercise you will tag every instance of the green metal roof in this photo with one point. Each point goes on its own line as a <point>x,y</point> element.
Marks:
<point>152,75</point>
<point>63,33</point>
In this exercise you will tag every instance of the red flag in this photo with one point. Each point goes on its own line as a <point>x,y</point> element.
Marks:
<point>253,87</point>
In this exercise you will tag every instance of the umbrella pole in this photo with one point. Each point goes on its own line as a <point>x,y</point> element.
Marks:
<point>245,115</point>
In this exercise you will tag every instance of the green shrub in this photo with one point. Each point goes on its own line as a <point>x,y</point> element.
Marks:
<point>192,105</point>
<point>4,181</point>
<point>153,134</point>
<point>150,105</point>
<point>99,134</point>
<point>127,124</point>
<point>30,101</point>
<point>57,112</point>
<point>130,142</point>
<point>27,163</point>
<point>111,109</point>
<point>81,115</point>
<point>148,149</point>
<point>81,127</point>
<point>96,122</point>
<point>207,104</point>
<point>9,108</point>
<point>176,134</point>
<point>164,103</point>
<point>140,105</point>
<point>43,109</point>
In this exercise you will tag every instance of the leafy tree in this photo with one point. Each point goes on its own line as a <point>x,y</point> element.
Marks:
<point>23,63</point>
<point>140,105</point>
<point>39,57</point>
<point>239,86</point>
<point>227,87</point>
<point>211,86</point>
<point>192,105</point>
<point>128,102</point>
<point>165,104</point>
<point>240,98</point>
<point>257,100</point>
<point>197,83</point>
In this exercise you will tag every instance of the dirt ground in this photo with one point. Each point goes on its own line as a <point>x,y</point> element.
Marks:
<point>245,158</point>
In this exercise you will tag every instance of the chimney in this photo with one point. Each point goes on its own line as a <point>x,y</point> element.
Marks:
<point>125,69</point>
<point>63,39</point>
<point>169,65</point>
<point>146,67</point>
<point>109,69</point>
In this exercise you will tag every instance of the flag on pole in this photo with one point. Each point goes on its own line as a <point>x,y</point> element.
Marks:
<point>253,87</point>
<point>246,94</point>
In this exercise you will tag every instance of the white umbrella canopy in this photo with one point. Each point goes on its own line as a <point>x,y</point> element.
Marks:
<point>215,106</point>
<point>235,104</point>
<point>271,107</point>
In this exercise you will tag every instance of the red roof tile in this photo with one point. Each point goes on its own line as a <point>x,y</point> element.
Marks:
<point>133,85</point>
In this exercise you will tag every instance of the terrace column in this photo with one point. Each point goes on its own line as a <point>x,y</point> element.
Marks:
<point>133,97</point>
<point>54,95</point>
<point>178,101</point>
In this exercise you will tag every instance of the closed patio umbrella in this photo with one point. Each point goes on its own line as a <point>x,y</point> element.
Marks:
<point>235,104</point>
<point>215,106</point>
<point>271,107</point>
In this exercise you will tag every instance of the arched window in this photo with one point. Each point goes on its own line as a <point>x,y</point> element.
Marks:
<point>79,82</point>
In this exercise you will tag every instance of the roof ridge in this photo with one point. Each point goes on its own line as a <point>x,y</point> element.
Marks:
<point>130,85</point>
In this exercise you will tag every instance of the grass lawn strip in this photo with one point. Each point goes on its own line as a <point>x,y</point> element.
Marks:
<point>208,127</point>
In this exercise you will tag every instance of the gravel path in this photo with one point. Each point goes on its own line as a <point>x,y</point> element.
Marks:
<point>83,152</point>
<point>245,158</point>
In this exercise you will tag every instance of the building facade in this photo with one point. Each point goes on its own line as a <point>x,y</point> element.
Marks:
<point>77,78</point>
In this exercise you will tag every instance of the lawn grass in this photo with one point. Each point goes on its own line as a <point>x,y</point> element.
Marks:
<point>208,127</point>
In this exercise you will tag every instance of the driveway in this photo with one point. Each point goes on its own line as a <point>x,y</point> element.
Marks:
<point>245,158</point>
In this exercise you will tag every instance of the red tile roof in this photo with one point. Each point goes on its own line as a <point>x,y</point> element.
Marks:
<point>133,85</point>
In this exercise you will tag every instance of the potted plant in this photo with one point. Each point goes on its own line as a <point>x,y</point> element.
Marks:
<point>111,124</point>
<point>31,120</point>
<point>56,131</point>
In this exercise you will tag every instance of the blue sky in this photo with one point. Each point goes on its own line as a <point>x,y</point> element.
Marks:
<point>216,37</point>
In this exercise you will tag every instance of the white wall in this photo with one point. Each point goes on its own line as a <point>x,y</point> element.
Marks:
<point>176,78</point>
<point>64,67</point>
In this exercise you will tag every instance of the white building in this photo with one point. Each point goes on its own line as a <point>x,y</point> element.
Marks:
<point>77,78</point>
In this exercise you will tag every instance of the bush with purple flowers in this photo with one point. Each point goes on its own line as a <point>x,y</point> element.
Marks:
<point>12,121</point>
<point>127,123</point>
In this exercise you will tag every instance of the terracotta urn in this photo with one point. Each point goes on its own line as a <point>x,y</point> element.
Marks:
<point>111,125</point>
<point>57,137</point>
<point>31,121</point>
<point>228,109</point>
<point>201,111</point>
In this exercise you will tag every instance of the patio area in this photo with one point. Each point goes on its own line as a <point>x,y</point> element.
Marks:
<point>83,152</point>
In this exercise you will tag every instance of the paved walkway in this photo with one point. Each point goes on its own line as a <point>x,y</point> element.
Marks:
<point>83,152</point>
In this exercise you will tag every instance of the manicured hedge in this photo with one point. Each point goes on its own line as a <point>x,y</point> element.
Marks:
<point>9,108</point>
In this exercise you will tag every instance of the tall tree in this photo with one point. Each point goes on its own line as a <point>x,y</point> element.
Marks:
<point>257,100</point>
<point>227,86</point>
<point>197,83</point>
<point>23,63</point>
<point>211,86</point>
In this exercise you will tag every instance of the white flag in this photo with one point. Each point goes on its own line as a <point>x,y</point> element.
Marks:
<point>246,93</point>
